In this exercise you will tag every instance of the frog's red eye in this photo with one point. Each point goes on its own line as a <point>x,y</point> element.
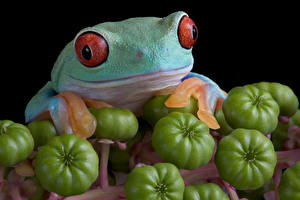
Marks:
<point>187,32</point>
<point>91,49</point>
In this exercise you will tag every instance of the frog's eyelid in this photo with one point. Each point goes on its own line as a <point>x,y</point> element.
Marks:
<point>88,29</point>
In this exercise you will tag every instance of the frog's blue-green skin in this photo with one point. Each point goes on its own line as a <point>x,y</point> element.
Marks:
<point>145,56</point>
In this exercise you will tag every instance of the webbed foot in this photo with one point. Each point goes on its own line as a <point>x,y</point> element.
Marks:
<point>208,101</point>
<point>81,122</point>
<point>67,110</point>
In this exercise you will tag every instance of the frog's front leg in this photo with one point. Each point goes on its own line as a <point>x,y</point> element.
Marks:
<point>209,95</point>
<point>67,110</point>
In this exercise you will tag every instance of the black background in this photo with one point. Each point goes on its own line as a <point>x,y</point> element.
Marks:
<point>239,43</point>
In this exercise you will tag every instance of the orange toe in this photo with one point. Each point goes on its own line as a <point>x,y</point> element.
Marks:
<point>82,122</point>
<point>181,96</point>
<point>204,113</point>
<point>199,90</point>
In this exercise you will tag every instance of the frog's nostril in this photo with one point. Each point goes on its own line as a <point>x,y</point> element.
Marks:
<point>139,54</point>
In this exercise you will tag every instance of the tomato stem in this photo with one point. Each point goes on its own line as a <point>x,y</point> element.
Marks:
<point>205,172</point>
<point>103,177</point>
<point>283,119</point>
<point>108,193</point>
<point>231,190</point>
<point>14,193</point>
<point>54,196</point>
<point>271,195</point>
<point>143,152</point>
<point>288,156</point>
<point>2,170</point>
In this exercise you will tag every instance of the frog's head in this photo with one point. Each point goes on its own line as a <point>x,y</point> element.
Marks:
<point>124,50</point>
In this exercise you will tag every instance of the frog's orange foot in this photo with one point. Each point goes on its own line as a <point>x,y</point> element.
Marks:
<point>70,114</point>
<point>81,122</point>
<point>200,90</point>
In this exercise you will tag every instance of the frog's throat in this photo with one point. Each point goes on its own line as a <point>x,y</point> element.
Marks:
<point>131,92</point>
<point>131,79</point>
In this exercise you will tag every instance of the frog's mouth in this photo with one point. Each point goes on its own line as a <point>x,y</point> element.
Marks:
<point>177,73</point>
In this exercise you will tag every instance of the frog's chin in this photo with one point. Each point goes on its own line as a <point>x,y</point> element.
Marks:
<point>130,92</point>
<point>178,72</point>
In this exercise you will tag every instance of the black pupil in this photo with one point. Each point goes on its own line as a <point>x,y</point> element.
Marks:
<point>86,52</point>
<point>194,33</point>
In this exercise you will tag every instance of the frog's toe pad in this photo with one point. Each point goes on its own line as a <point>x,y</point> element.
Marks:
<point>208,118</point>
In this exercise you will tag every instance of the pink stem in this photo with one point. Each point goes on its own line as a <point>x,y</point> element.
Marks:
<point>13,185</point>
<point>144,153</point>
<point>288,156</point>
<point>205,172</point>
<point>283,119</point>
<point>121,145</point>
<point>103,177</point>
<point>277,176</point>
<point>231,191</point>
<point>2,170</point>
<point>108,193</point>
<point>14,192</point>
<point>139,165</point>
<point>271,195</point>
<point>54,196</point>
<point>276,179</point>
<point>210,170</point>
<point>295,129</point>
<point>149,157</point>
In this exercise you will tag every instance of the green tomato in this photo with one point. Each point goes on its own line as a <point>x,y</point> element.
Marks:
<point>283,95</point>
<point>41,131</point>
<point>161,181</point>
<point>119,159</point>
<point>143,128</point>
<point>67,165</point>
<point>209,191</point>
<point>224,129</point>
<point>16,143</point>
<point>246,159</point>
<point>184,140</point>
<point>111,178</point>
<point>289,187</point>
<point>251,108</point>
<point>155,108</point>
<point>295,119</point>
<point>280,135</point>
<point>257,194</point>
<point>115,123</point>
<point>32,189</point>
<point>251,194</point>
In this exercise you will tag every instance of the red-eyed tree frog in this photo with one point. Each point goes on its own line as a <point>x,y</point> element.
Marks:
<point>123,64</point>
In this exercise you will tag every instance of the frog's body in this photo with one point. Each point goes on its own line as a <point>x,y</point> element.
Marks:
<point>144,57</point>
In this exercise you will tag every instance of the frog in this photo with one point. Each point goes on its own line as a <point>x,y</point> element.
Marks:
<point>121,64</point>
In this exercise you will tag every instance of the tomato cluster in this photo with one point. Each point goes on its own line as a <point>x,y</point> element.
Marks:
<point>168,153</point>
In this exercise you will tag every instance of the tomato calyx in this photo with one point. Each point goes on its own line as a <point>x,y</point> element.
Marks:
<point>249,156</point>
<point>257,100</point>
<point>161,188</point>
<point>4,125</point>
